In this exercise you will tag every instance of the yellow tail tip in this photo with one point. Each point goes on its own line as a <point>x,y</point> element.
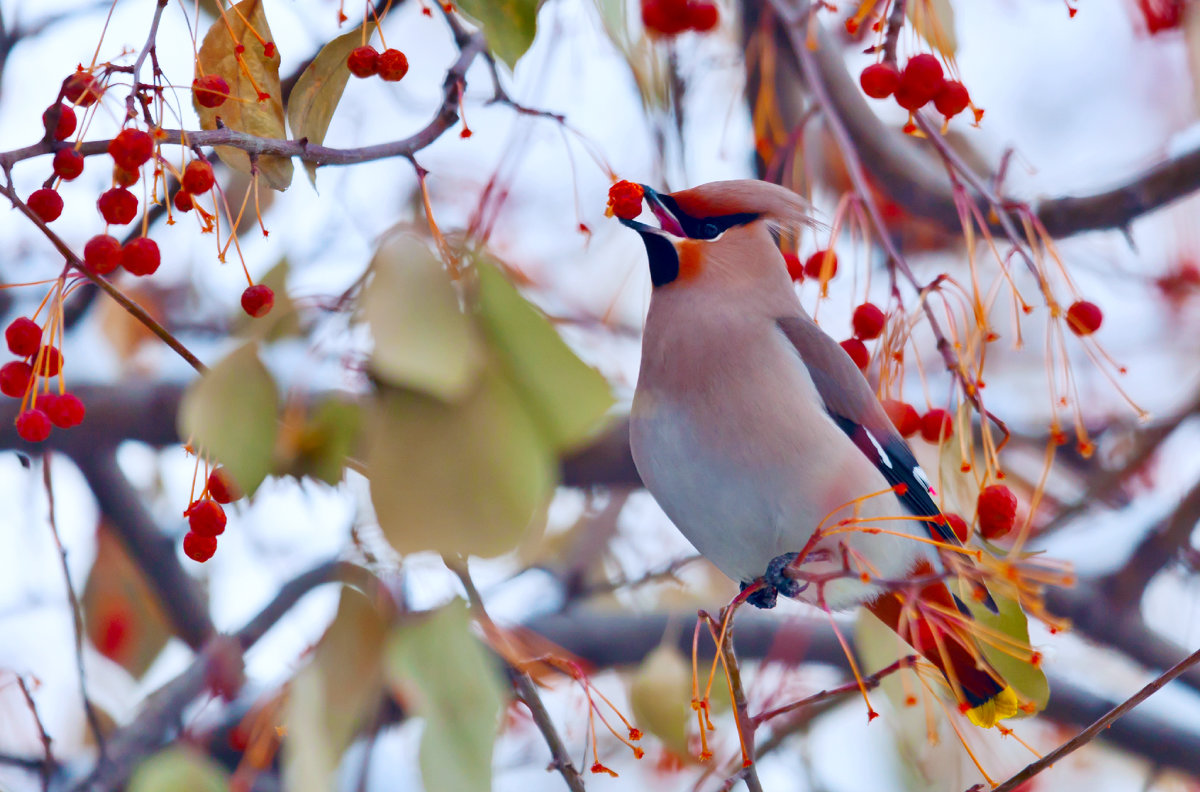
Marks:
<point>1003,705</point>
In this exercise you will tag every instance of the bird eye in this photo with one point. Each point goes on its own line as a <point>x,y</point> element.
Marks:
<point>710,230</point>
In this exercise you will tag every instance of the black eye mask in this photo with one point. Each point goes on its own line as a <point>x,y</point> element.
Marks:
<point>705,227</point>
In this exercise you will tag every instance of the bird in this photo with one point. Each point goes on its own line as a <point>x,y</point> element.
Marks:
<point>766,446</point>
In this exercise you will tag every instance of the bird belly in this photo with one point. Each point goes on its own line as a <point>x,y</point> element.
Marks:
<point>742,503</point>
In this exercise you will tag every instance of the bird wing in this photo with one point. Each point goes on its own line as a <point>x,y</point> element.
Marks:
<point>851,403</point>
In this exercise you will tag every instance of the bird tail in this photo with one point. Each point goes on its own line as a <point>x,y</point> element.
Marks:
<point>932,624</point>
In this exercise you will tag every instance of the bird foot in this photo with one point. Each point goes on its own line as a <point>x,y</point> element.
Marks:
<point>775,582</point>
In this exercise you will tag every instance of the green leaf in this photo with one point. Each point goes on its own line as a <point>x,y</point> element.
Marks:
<point>120,613</point>
<point>320,447</point>
<point>509,25</point>
<point>335,696</point>
<point>566,397</point>
<point>456,478</point>
<point>423,340</point>
<point>179,769</point>
<point>439,671</point>
<point>1011,657</point>
<point>231,414</point>
<point>660,694</point>
<point>319,89</point>
<point>248,73</point>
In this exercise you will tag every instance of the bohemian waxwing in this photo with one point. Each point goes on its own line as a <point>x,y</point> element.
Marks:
<point>752,428</point>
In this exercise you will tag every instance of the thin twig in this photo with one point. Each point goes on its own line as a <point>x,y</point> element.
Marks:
<point>48,765</point>
<point>895,24</point>
<point>867,683</point>
<point>76,610</point>
<point>526,689</point>
<point>1091,732</point>
<point>741,708</point>
<point>151,38</point>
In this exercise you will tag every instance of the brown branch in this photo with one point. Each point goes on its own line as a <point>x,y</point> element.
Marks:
<point>895,24</point>
<point>1093,731</point>
<point>159,719</point>
<point>1161,544</point>
<point>76,610</point>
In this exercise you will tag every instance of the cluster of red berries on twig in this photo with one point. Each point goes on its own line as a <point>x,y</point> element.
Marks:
<point>922,81</point>
<point>206,515</point>
<point>625,200</point>
<point>936,426</point>
<point>672,17</point>
<point>20,378</point>
<point>365,61</point>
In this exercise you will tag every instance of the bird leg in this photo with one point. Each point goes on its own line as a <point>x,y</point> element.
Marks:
<point>775,582</point>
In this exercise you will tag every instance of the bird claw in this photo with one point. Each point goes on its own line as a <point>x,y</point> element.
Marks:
<point>775,582</point>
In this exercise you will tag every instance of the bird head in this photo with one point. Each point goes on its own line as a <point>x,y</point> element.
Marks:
<point>705,228</point>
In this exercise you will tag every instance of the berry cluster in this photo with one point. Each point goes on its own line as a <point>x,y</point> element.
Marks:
<point>936,426</point>
<point>206,515</point>
<point>921,82</point>
<point>19,379</point>
<point>672,17</point>
<point>366,61</point>
<point>197,178</point>
<point>625,200</point>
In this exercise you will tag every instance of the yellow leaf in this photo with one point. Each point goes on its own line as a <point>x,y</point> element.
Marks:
<point>423,340</point>
<point>120,613</point>
<point>456,478</point>
<point>255,105</point>
<point>319,89</point>
<point>934,21</point>
<point>231,413</point>
<point>567,397</point>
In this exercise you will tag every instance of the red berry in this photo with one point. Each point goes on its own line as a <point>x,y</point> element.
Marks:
<point>140,256</point>
<point>920,82</point>
<point>816,264</point>
<point>1161,14</point>
<point>197,177</point>
<point>64,410</point>
<point>211,90</point>
<point>82,89</point>
<point>937,426</point>
<point>258,300</point>
<point>46,204</point>
<point>997,510</point>
<point>131,148</point>
<point>702,17</point>
<point>33,426</point>
<point>393,65</point>
<point>903,416</point>
<point>868,321</point>
<point>879,80</point>
<point>952,99</point>
<point>14,378</point>
<point>102,254</point>
<point>625,199</point>
<point>363,61</point>
<point>65,124</point>
<point>958,525</point>
<point>221,486</point>
<point>857,351</point>
<point>665,17</point>
<point>1084,317</point>
<point>24,336</point>
<point>199,548</point>
<point>206,517</point>
<point>118,206</point>
<point>52,361</point>
<point>68,164</point>
<point>183,201</point>
<point>795,266</point>
<point>125,178</point>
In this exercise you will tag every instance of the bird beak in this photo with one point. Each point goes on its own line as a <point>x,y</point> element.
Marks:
<point>666,218</point>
